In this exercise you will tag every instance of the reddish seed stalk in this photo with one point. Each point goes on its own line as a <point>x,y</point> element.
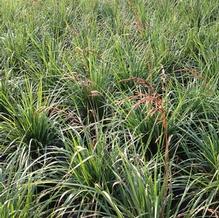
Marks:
<point>156,101</point>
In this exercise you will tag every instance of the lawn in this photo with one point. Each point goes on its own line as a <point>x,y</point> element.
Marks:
<point>109,108</point>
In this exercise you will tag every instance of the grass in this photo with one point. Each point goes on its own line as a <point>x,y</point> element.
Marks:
<point>109,108</point>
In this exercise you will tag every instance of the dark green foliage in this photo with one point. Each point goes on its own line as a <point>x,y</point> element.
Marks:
<point>109,108</point>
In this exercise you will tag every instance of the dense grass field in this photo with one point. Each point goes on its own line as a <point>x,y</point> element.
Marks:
<point>109,108</point>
